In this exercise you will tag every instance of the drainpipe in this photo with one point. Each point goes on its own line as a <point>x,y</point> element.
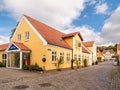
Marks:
<point>72,61</point>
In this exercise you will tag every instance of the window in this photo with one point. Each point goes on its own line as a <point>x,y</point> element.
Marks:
<point>79,57</point>
<point>75,43</point>
<point>27,35</point>
<point>75,57</point>
<point>19,37</point>
<point>53,56</point>
<point>4,57</point>
<point>68,57</point>
<point>62,56</point>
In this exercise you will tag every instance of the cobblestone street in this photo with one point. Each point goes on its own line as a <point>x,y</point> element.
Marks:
<point>104,76</point>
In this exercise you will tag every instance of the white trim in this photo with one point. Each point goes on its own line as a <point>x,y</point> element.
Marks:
<point>58,46</point>
<point>20,60</point>
<point>25,51</point>
<point>38,34</point>
<point>13,67</point>
<point>7,60</point>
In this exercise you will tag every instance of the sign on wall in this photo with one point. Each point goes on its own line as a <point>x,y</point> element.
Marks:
<point>12,47</point>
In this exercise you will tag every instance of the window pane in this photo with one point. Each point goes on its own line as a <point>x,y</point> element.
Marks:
<point>53,56</point>
<point>19,37</point>
<point>26,35</point>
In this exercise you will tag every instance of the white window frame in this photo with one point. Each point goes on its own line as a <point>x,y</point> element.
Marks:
<point>19,37</point>
<point>54,53</point>
<point>75,57</point>
<point>62,55</point>
<point>27,35</point>
<point>4,58</point>
<point>68,57</point>
<point>79,57</point>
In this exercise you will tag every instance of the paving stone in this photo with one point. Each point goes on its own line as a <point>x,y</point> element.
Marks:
<point>104,76</point>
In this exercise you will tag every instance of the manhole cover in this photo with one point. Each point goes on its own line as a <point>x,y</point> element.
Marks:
<point>45,84</point>
<point>21,87</point>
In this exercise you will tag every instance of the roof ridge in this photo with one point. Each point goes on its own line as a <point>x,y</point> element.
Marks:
<point>42,23</point>
<point>51,35</point>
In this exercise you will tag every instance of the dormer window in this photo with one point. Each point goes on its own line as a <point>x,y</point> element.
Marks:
<point>27,34</point>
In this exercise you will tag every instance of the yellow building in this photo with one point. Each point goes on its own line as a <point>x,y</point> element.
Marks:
<point>34,42</point>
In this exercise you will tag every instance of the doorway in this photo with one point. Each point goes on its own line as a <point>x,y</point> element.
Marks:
<point>14,60</point>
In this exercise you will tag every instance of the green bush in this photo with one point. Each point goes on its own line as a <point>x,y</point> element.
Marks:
<point>25,67</point>
<point>32,67</point>
<point>85,62</point>
<point>96,62</point>
<point>2,65</point>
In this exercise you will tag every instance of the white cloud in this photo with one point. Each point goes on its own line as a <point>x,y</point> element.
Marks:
<point>87,33</point>
<point>92,2</point>
<point>85,16</point>
<point>56,13</point>
<point>3,39</point>
<point>102,8</point>
<point>111,29</point>
<point>61,13</point>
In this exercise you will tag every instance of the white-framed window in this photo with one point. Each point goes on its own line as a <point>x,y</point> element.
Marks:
<point>75,43</point>
<point>62,56</point>
<point>83,57</point>
<point>68,57</point>
<point>19,37</point>
<point>75,57</point>
<point>4,58</point>
<point>27,35</point>
<point>79,57</point>
<point>53,56</point>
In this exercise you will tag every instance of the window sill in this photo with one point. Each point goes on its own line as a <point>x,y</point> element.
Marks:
<point>27,40</point>
<point>54,62</point>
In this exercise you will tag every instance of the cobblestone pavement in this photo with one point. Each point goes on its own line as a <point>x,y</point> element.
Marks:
<point>104,76</point>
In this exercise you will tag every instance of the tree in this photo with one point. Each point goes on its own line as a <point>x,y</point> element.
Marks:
<point>13,30</point>
<point>77,62</point>
<point>59,63</point>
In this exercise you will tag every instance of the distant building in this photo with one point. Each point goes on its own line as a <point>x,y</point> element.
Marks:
<point>99,56</point>
<point>108,54</point>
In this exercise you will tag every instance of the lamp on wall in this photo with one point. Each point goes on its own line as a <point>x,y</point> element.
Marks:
<point>44,58</point>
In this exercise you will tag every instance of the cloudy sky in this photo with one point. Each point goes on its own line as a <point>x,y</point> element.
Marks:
<point>97,20</point>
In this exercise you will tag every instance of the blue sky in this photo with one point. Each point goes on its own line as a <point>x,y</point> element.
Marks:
<point>95,19</point>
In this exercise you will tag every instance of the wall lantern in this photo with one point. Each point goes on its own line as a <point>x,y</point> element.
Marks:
<point>44,58</point>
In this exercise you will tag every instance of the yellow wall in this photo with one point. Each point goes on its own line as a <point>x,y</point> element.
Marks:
<point>69,41</point>
<point>76,49</point>
<point>34,43</point>
<point>50,64</point>
<point>1,52</point>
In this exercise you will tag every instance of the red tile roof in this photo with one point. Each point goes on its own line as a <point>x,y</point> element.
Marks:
<point>84,50</point>
<point>72,35</point>
<point>111,51</point>
<point>51,35</point>
<point>22,46</point>
<point>88,44</point>
<point>3,47</point>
